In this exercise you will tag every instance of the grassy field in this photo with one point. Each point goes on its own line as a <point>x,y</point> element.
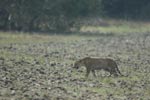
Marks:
<point>119,27</point>
<point>40,67</point>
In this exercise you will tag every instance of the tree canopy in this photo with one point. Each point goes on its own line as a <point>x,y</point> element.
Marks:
<point>60,15</point>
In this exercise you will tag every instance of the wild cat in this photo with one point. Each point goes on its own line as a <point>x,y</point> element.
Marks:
<point>93,64</point>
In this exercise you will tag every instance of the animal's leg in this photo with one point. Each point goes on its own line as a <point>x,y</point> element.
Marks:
<point>114,72</point>
<point>110,74</point>
<point>117,70</point>
<point>87,72</point>
<point>93,71</point>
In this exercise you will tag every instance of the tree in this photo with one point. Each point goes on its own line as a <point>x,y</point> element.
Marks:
<point>124,8</point>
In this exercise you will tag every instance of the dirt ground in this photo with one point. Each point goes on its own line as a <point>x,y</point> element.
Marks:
<point>44,70</point>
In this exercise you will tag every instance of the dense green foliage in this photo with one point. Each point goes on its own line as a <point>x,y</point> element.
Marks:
<point>127,8</point>
<point>61,15</point>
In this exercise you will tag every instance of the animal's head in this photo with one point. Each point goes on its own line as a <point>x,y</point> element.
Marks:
<point>79,63</point>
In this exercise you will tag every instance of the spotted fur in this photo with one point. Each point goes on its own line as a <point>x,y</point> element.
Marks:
<point>93,64</point>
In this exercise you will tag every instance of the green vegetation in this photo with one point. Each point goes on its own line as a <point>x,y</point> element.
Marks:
<point>41,67</point>
<point>62,15</point>
<point>119,27</point>
<point>41,39</point>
